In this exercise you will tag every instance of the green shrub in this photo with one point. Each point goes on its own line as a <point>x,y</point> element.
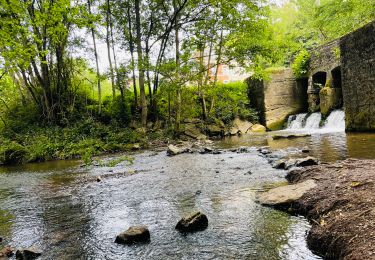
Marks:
<point>230,101</point>
<point>12,153</point>
<point>300,65</point>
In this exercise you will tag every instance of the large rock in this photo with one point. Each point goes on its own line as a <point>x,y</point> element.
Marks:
<point>286,164</point>
<point>215,130</point>
<point>257,128</point>
<point>330,99</point>
<point>28,253</point>
<point>283,196</point>
<point>174,150</point>
<point>240,126</point>
<point>6,252</point>
<point>192,131</point>
<point>134,235</point>
<point>192,223</point>
<point>307,161</point>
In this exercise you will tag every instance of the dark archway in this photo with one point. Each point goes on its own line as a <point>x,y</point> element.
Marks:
<point>319,80</point>
<point>336,77</point>
<point>337,87</point>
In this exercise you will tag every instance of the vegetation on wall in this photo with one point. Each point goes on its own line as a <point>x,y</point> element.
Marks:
<point>300,64</point>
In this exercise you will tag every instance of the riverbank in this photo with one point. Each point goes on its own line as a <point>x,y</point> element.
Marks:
<point>341,208</point>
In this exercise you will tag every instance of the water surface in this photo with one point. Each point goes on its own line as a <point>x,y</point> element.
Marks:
<point>60,208</point>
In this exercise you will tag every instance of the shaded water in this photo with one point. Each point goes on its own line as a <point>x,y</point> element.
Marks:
<point>60,208</point>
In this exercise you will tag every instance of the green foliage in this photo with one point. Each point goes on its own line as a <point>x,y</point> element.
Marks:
<point>85,139</point>
<point>300,65</point>
<point>11,152</point>
<point>230,100</point>
<point>115,161</point>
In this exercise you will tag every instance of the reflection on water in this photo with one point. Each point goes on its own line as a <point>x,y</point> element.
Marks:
<point>64,211</point>
<point>328,147</point>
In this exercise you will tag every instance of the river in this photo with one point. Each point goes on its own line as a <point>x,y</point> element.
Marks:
<point>60,208</point>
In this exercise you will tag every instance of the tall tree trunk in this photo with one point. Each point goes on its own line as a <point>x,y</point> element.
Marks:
<point>141,68</point>
<point>96,62</point>
<point>131,47</point>
<point>108,21</point>
<point>200,85</point>
<point>218,61</point>
<point>178,91</point>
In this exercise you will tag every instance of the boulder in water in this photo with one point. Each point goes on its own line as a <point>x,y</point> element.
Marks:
<point>286,164</point>
<point>173,150</point>
<point>137,234</point>
<point>257,128</point>
<point>195,222</point>
<point>280,164</point>
<point>28,253</point>
<point>307,161</point>
<point>6,252</point>
<point>283,196</point>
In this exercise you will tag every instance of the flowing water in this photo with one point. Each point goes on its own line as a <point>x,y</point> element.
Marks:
<point>60,208</point>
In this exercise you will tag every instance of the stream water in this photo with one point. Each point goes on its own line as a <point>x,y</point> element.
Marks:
<point>60,208</point>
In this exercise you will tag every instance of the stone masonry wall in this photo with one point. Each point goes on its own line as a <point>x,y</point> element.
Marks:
<point>358,78</point>
<point>324,58</point>
<point>278,98</point>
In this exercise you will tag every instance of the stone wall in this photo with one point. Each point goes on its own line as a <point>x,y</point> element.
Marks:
<point>358,78</point>
<point>278,98</point>
<point>324,59</point>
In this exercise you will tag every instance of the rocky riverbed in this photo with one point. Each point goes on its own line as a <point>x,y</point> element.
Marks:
<point>339,201</point>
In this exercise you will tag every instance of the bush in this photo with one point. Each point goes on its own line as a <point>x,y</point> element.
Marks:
<point>300,65</point>
<point>230,101</point>
<point>12,153</point>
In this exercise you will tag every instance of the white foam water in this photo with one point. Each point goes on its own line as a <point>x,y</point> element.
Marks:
<point>335,122</point>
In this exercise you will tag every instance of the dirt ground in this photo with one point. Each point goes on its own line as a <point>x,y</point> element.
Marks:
<point>341,208</point>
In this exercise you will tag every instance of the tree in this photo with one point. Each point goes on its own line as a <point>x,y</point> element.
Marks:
<point>92,29</point>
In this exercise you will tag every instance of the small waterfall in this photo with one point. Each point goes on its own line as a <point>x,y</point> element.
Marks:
<point>335,122</point>
<point>313,121</point>
<point>296,121</point>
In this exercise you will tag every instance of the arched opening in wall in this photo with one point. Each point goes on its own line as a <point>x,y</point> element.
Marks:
<point>301,95</point>
<point>336,77</point>
<point>319,80</point>
<point>337,88</point>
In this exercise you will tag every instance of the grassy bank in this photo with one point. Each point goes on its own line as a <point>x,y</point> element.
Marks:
<point>82,140</point>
